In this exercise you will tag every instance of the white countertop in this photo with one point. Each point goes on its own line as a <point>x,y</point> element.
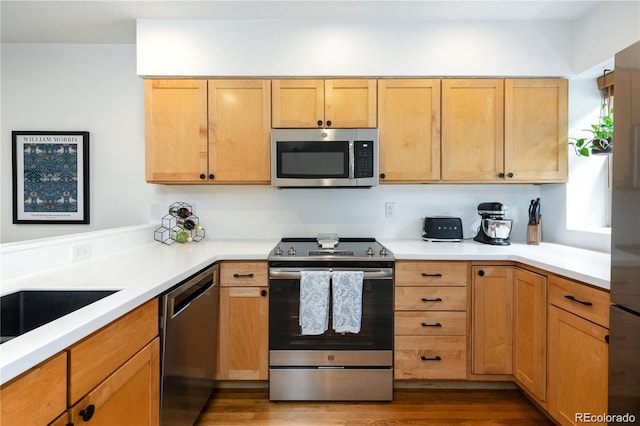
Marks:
<point>148,270</point>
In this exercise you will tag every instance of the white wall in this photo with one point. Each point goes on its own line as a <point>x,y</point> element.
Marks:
<point>79,87</point>
<point>608,28</point>
<point>354,48</point>
<point>95,87</point>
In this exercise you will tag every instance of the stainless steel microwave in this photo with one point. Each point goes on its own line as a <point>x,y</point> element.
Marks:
<point>324,157</point>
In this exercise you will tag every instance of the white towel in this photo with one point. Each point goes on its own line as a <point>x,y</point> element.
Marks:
<point>314,302</point>
<point>347,301</point>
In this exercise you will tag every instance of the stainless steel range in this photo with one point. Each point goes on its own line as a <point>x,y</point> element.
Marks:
<point>331,319</point>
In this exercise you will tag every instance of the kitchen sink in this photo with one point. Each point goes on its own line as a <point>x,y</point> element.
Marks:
<point>26,310</point>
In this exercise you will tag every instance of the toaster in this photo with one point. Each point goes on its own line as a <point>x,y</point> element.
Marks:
<point>442,228</point>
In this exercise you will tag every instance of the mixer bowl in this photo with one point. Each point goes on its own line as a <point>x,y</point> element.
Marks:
<point>497,228</point>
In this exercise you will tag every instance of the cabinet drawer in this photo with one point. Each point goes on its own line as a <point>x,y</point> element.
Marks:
<point>431,298</point>
<point>432,357</point>
<point>427,323</point>
<point>233,274</point>
<point>99,355</point>
<point>431,273</point>
<point>580,299</point>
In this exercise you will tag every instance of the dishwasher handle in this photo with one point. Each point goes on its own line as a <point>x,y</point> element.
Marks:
<point>180,298</point>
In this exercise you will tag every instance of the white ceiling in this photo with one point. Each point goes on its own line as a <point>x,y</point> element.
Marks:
<point>92,21</point>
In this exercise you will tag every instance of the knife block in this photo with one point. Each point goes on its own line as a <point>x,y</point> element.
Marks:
<point>534,233</point>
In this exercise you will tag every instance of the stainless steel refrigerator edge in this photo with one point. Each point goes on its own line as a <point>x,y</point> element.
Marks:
<point>189,323</point>
<point>624,340</point>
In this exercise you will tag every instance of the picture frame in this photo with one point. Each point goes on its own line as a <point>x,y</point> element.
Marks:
<point>50,177</point>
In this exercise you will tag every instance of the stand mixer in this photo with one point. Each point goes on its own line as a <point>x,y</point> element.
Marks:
<point>494,228</point>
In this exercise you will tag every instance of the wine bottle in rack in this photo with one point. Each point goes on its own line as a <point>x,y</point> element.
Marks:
<point>180,211</point>
<point>188,224</point>
<point>181,236</point>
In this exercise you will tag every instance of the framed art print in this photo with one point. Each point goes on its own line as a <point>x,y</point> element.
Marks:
<point>50,177</point>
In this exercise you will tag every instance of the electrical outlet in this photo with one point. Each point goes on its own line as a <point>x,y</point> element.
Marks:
<point>81,251</point>
<point>389,210</point>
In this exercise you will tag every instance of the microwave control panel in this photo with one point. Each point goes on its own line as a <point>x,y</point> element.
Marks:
<point>363,153</point>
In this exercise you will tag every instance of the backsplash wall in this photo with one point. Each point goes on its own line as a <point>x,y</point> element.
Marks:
<point>241,212</point>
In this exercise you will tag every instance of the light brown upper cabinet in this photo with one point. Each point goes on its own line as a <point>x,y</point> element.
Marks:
<point>512,130</point>
<point>535,130</point>
<point>239,131</point>
<point>472,129</point>
<point>215,131</point>
<point>176,130</point>
<point>409,126</point>
<point>338,103</point>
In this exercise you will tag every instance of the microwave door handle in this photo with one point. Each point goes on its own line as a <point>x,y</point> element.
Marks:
<point>351,160</point>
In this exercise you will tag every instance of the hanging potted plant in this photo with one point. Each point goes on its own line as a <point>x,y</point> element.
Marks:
<point>601,141</point>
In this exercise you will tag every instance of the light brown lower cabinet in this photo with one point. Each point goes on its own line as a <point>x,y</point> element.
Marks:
<point>492,323</point>
<point>578,367</point>
<point>129,396</point>
<point>111,377</point>
<point>578,351</point>
<point>430,320</point>
<point>530,332</point>
<point>38,396</point>
<point>244,322</point>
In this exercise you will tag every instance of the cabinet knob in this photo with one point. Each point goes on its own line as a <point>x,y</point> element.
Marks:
<point>501,175</point>
<point>606,339</point>
<point>319,122</point>
<point>509,175</point>
<point>382,176</point>
<point>212,176</point>
<point>328,123</point>
<point>87,413</point>
<point>203,176</point>
<point>263,293</point>
<point>481,273</point>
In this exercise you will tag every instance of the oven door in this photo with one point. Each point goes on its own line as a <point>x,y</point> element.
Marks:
<point>376,333</point>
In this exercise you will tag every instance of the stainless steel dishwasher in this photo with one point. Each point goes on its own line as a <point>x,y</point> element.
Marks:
<point>189,323</point>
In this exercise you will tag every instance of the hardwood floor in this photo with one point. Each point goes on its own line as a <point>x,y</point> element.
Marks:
<point>409,407</point>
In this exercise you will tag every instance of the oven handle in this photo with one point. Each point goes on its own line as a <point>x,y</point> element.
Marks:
<point>294,273</point>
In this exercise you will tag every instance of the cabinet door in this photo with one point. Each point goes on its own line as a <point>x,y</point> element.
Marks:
<point>130,396</point>
<point>472,129</point>
<point>535,130</point>
<point>38,396</point>
<point>492,338</point>
<point>297,103</point>
<point>409,125</point>
<point>578,367</point>
<point>176,131</point>
<point>243,338</point>
<point>530,332</point>
<point>239,131</point>
<point>97,356</point>
<point>350,103</point>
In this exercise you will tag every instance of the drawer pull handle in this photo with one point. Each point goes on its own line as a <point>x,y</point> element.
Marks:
<point>437,299</point>
<point>573,299</point>
<point>424,324</point>
<point>435,358</point>
<point>424,274</point>
<point>243,275</point>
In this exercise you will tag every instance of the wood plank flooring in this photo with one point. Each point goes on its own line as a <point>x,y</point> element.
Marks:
<point>409,407</point>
